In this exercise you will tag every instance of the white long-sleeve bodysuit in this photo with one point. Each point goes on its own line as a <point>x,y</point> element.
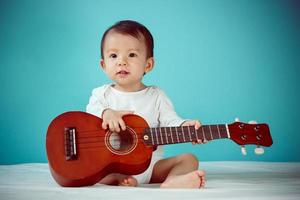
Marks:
<point>150,103</point>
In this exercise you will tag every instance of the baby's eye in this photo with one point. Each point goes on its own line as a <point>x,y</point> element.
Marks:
<point>132,55</point>
<point>113,55</point>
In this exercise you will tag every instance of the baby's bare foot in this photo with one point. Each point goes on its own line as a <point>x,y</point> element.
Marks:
<point>128,181</point>
<point>195,179</point>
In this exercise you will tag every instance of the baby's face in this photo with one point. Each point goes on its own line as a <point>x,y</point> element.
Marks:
<point>125,59</point>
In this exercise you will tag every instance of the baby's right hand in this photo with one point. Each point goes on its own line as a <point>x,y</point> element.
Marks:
<point>114,119</point>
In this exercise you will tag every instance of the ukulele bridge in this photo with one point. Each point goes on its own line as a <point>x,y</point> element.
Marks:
<point>70,143</point>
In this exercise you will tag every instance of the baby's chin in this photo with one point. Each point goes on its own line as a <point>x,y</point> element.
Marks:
<point>128,86</point>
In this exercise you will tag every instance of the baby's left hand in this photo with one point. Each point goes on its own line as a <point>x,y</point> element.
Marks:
<point>197,125</point>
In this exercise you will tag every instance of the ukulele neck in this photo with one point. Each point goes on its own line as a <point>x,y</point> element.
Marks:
<point>183,134</point>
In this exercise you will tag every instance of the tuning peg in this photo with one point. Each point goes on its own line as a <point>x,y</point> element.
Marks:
<point>259,150</point>
<point>243,150</point>
<point>252,122</point>
<point>237,119</point>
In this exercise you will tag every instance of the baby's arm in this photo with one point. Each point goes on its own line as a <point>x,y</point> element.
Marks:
<point>113,119</point>
<point>99,107</point>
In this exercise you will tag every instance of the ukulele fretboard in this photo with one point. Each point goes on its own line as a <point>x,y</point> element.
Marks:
<point>182,134</point>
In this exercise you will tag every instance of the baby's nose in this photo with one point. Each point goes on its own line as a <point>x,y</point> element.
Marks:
<point>122,62</point>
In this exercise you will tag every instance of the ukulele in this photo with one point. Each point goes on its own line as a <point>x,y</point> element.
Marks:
<point>81,153</point>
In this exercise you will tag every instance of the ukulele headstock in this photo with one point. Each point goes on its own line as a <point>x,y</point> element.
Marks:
<point>250,133</point>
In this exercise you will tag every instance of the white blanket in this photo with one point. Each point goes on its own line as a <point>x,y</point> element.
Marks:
<point>225,180</point>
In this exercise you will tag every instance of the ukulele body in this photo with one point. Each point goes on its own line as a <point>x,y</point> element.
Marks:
<point>81,153</point>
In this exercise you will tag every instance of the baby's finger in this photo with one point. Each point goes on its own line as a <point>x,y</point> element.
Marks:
<point>199,141</point>
<point>122,125</point>
<point>116,126</point>
<point>111,126</point>
<point>104,125</point>
<point>197,124</point>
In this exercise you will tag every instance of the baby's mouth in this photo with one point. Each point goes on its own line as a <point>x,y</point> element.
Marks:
<point>123,72</point>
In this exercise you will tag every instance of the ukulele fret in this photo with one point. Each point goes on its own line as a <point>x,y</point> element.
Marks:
<point>155,131</point>
<point>218,131</point>
<point>180,134</point>
<point>171,133</point>
<point>176,134</point>
<point>161,137</point>
<point>214,131</point>
<point>227,131</point>
<point>210,132</point>
<point>203,136</point>
<point>190,133</point>
<point>157,136</point>
<point>222,131</point>
<point>206,132</point>
<point>194,135</point>
<point>197,138</point>
<point>183,134</point>
<point>166,135</point>
<point>151,136</point>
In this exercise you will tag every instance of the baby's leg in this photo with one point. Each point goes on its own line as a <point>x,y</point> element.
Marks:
<point>119,179</point>
<point>178,172</point>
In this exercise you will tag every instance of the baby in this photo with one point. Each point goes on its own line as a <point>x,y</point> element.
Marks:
<point>126,56</point>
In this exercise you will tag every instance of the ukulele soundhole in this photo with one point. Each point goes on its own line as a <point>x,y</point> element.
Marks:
<point>121,143</point>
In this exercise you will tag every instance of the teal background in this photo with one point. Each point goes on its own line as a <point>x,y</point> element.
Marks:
<point>216,60</point>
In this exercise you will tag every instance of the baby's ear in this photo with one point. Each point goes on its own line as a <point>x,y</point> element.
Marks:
<point>102,64</point>
<point>149,65</point>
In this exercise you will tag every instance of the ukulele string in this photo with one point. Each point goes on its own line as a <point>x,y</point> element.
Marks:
<point>87,140</point>
<point>161,136</point>
<point>158,129</point>
<point>85,143</point>
<point>102,145</point>
<point>140,137</point>
<point>100,129</point>
<point>158,133</point>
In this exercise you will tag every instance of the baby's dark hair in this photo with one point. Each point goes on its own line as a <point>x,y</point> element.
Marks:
<point>136,30</point>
